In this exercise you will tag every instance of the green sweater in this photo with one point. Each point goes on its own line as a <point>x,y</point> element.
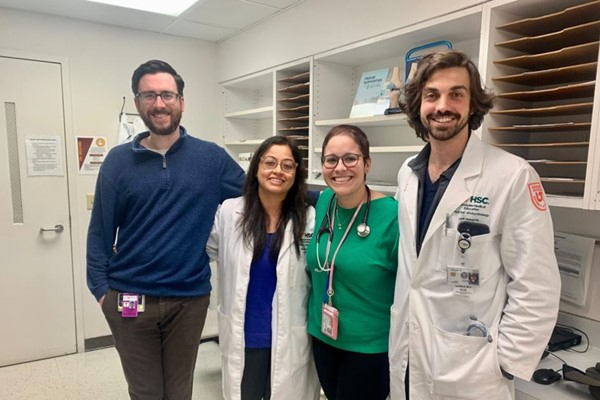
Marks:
<point>363,279</point>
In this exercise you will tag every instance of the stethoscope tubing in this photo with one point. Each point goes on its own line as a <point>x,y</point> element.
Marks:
<point>362,229</point>
<point>326,222</point>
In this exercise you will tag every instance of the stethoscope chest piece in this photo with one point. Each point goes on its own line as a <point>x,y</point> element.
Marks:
<point>363,230</point>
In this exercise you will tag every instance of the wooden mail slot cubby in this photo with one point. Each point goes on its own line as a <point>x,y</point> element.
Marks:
<point>543,68</point>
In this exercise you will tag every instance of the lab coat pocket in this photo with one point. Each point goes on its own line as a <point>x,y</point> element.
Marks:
<point>300,343</point>
<point>232,354</point>
<point>464,367</point>
<point>482,254</point>
<point>296,305</point>
<point>225,327</point>
<point>397,351</point>
<point>394,331</point>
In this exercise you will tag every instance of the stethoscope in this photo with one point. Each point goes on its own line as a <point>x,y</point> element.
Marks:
<point>362,230</point>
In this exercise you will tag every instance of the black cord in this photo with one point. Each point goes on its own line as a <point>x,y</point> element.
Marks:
<point>552,354</point>
<point>122,108</point>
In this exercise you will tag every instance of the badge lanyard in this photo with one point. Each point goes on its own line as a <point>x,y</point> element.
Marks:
<point>329,290</point>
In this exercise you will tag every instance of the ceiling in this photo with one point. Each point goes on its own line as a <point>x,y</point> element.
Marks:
<point>211,20</point>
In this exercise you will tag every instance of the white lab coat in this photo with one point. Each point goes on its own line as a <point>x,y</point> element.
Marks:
<point>293,375</point>
<point>519,284</point>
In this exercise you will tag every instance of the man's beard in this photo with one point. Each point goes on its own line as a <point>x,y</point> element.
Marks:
<point>162,131</point>
<point>445,133</point>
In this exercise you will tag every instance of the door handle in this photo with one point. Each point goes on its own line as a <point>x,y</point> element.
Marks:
<point>57,228</point>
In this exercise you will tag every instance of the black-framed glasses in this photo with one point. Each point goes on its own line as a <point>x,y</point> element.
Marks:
<point>269,163</point>
<point>150,97</point>
<point>330,161</point>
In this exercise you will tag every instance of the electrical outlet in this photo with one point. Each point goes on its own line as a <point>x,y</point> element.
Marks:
<point>89,200</point>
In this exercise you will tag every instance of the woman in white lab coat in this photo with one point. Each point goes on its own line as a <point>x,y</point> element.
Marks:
<point>260,241</point>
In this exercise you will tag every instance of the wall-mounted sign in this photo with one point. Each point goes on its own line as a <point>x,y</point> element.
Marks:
<point>44,156</point>
<point>90,154</point>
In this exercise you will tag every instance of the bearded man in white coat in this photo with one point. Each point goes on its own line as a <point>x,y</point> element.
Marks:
<point>478,286</point>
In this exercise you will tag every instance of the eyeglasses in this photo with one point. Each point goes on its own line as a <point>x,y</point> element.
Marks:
<point>270,163</point>
<point>150,97</point>
<point>330,161</point>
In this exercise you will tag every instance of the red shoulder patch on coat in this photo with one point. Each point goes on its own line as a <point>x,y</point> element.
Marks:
<point>538,198</point>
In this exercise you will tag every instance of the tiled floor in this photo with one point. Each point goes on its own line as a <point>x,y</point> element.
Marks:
<point>96,375</point>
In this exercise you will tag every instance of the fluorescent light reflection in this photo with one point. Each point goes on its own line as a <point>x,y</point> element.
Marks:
<point>170,7</point>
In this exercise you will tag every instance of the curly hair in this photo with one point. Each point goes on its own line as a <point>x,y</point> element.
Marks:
<point>410,103</point>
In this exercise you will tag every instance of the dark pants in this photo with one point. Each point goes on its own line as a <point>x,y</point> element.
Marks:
<point>158,348</point>
<point>256,381</point>
<point>347,375</point>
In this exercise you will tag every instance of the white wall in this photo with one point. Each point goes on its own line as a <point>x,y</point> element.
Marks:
<point>101,60</point>
<point>315,26</point>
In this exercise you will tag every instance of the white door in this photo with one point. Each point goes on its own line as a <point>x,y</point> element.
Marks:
<point>36,276</point>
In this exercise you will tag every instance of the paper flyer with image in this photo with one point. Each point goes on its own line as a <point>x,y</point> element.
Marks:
<point>372,95</point>
<point>90,154</point>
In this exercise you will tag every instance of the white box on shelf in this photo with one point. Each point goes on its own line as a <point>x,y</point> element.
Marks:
<point>244,160</point>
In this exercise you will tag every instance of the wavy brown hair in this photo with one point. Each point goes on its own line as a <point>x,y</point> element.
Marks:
<point>481,100</point>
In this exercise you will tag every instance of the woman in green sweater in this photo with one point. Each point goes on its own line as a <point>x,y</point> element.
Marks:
<point>352,259</point>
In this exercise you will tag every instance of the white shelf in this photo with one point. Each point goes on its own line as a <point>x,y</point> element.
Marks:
<point>564,390</point>
<point>396,149</point>
<point>250,142</point>
<point>253,113</point>
<point>461,26</point>
<point>387,149</point>
<point>378,120</point>
<point>564,201</point>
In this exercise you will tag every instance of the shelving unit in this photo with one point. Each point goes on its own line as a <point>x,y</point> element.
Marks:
<point>273,102</point>
<point>539,57</point>
<point>248,106</point>
<point>293,106</point>
<point>543,66</point>
<point>336,75</point>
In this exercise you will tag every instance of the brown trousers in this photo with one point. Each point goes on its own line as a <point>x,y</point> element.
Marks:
<point>158,348</point>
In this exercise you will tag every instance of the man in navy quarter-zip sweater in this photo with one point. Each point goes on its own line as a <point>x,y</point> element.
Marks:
<point>154,207</point>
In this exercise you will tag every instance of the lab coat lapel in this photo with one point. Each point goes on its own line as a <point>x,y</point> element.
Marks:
<point>287,238</point>
<point>411,195</point>
<point>460,187</point>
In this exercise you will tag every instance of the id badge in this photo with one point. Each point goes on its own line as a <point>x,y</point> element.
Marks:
<point>461,276</point>
<point>130,305</point>
<point>141,301</point>
<point>329,321</point>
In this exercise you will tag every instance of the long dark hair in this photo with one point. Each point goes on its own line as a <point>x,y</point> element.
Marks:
<point>254,219</point>
<point>481,100</point>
